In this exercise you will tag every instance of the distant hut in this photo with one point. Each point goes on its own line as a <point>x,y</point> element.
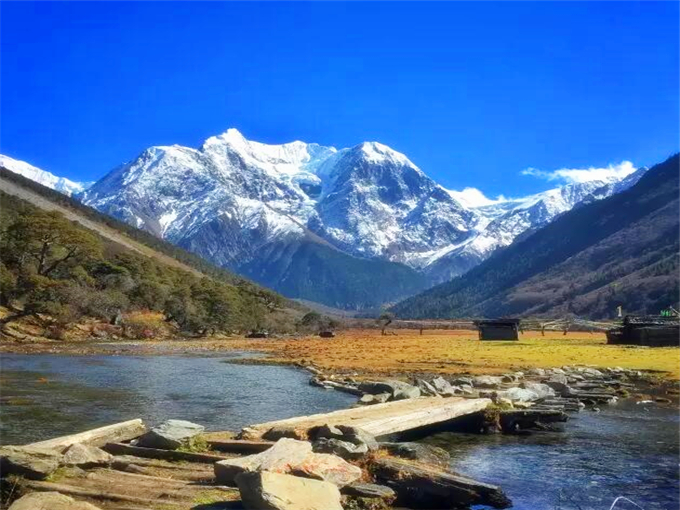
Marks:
<point>498,329</point>
<point>326,334</point>
<point>649,330</point>
<point>258,334</point>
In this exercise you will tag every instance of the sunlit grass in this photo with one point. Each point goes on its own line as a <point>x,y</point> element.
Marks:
<point>446,352</point>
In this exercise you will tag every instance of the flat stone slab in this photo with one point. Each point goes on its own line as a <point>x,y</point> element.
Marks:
<point>275,491</point>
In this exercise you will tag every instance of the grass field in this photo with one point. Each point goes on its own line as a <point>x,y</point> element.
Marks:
<point>457,351</point>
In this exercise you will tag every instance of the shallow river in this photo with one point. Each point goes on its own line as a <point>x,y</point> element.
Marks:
<point>626,450</point>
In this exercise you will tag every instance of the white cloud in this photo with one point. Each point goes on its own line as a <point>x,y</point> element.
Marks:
<point>577,175</point>
<point>472,197</point>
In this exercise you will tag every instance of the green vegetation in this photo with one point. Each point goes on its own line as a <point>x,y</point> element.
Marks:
<point>60,272</point>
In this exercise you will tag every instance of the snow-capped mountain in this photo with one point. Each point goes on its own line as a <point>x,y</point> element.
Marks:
<point>61,184</point>
<point>273,211</point>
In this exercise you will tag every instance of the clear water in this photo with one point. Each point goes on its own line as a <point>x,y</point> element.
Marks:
<point>45,396</point>
<point>626,450</point>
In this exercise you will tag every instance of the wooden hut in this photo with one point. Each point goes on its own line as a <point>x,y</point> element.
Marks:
<point>258,334</point>
<point>649,330</point>
<point>498,329</point>
<point>326,334</point>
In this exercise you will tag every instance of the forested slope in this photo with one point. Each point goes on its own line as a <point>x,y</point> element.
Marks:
<point>622,250</point>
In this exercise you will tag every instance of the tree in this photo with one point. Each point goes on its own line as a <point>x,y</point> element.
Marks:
<point>43,242</point>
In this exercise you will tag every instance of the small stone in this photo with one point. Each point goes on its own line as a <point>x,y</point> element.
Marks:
<point>358,436</point>
<point>344,449</point>
<point>367,400</point>
<point>486,381</point>
<point>426,388</point>
<point>50,501</point>
<point>443,387</point>
<point>170,435</point>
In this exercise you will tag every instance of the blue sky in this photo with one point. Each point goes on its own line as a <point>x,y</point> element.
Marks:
<point>473,93</point>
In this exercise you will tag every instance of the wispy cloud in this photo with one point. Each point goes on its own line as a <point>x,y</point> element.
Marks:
<point>576,175</point>
<point>472,197</point>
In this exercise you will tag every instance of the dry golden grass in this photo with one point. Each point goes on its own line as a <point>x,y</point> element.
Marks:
<point>456,351</point>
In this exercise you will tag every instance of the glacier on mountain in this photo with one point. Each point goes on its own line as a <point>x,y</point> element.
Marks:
<point>233,200</point>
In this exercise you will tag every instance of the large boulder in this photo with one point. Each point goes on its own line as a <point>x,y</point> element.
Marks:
<point>33,463</point>
<point>487,381</point>
<point>85,456</point>
<point>275,491</point>
<point>170,435</point>
<point>542,390</point>
<point>424,453</point>
<point>289,456</point>
<point>280,458</point>
<point>49,501</point>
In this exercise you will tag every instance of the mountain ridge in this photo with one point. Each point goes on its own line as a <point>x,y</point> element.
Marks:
<point>584,262</point>
<point>232,200</point>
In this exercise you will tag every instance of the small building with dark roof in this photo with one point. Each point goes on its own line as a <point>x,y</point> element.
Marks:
<point>649,330</point>
<point>498,329</point>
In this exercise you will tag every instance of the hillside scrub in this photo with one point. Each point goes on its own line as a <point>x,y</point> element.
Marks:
<point>58,272</point>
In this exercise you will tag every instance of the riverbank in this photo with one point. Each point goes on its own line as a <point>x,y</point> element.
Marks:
<point>402,352</point>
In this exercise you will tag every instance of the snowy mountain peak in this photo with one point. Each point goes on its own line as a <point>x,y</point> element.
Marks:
<point>61,184</point>
<point>378,153</point>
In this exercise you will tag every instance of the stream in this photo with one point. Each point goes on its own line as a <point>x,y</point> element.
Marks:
<point>625,450</point>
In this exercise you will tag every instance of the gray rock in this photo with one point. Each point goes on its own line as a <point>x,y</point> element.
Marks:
<point>367,400</point>
<point>274,491</point>
<point>466,389</point>
<point>50,501</point>
<point>330,468</point>
<point>539,372</point>
<point>398,390</point>
<point>381,398</point>
<point>170,435</point>
<point>424,453</point>
<point>542,390</point>
<point>85,456</point>
<point>518,395</point>
<point>344,449</point>
<point>358,436</point>
<point>560,383</point>
<point>370,490</point>
<point>33,463</point>
<point>443,387</point>
<point>486,381</point>
<point>426,388</point>
<point>461,381</point>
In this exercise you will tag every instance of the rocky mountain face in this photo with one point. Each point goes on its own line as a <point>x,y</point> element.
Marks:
<point>272,212</point>
<point>619,251</point>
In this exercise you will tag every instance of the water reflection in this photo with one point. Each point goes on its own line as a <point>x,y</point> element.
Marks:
<point>47,395</point>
